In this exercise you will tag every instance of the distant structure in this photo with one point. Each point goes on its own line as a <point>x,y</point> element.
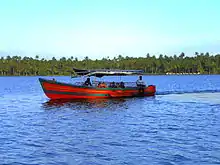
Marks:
<point>172,73</point>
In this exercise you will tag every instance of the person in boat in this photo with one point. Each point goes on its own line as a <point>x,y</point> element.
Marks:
<point>102,85</point>
<point>140,82</point>
<point>112,84</point>
<point>88,82</point>
<point>122,84</point>
<point>117,85</point>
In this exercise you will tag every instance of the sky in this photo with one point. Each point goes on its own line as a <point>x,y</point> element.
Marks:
<point>101,28</point>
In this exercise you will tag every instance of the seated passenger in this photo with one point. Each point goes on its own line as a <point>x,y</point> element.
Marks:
<point>87,82</point>
<point>102,85</point>
<point>140,82</point>
<point>99,85</point>
<point>122,85</point>
<point>112,85</point>
<point>117,85</point>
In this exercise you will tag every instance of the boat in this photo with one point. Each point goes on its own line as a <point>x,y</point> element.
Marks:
<point>60,90</point>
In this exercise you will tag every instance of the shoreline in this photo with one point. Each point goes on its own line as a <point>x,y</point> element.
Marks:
<point>147,74</point>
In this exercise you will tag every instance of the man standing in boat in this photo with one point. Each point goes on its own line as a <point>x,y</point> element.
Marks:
<point>141,85</point>
<point>140,82</point>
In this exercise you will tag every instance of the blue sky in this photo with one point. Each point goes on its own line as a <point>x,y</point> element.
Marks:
<point>101,28</point>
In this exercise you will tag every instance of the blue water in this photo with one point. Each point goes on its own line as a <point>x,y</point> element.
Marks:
<point>180,125</point>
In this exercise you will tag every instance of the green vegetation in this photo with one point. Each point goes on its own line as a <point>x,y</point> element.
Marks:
<point>27,66</point>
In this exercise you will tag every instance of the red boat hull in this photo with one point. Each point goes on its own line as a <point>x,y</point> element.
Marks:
<point>58,90</point>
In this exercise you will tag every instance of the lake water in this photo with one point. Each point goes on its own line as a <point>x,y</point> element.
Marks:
<point>180,125</point>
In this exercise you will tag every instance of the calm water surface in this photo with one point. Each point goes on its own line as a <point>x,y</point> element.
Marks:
<point>180,125</point>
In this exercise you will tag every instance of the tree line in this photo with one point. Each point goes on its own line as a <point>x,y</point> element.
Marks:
<point>202,63</point>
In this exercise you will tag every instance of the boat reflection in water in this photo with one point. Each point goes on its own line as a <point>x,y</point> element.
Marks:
<point>85,104</point>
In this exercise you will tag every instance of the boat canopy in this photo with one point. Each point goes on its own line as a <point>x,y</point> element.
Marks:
<point>107,72</point>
